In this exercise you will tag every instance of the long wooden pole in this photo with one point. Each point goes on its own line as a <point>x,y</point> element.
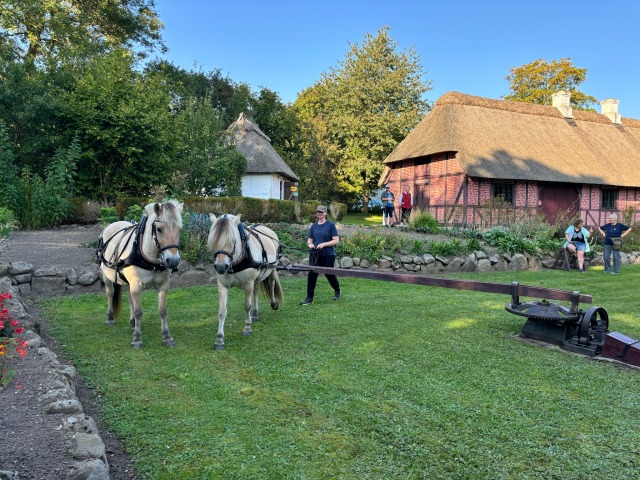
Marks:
<point>513,289</point>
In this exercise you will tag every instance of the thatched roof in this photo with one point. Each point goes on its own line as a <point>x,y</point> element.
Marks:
<point>256,147</point>
<point>514,140</point>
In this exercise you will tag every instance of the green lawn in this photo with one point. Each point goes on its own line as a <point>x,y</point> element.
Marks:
<point>362,219</point>
<point>391,382</point>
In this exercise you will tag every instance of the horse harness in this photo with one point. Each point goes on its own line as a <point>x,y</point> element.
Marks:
<point>246,260</point>
<point>136,258</point>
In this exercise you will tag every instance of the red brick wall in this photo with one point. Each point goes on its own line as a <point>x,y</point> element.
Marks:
<point>520,194</point>
<point>473,188</point>
<point>485,191</point>
<point>436,183</point>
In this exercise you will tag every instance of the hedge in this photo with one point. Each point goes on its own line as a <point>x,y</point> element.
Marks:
<point>257,210</point>
<point>253,210</point>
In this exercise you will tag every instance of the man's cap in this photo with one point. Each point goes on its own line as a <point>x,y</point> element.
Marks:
<point>387,186</point>
<point>321,208</point>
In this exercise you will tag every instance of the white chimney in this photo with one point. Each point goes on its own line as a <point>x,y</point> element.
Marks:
<point>610,110</point>
<point>561,100</point>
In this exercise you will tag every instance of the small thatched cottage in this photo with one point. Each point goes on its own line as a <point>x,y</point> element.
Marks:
<point>469,150</point>
<point>267,175</point>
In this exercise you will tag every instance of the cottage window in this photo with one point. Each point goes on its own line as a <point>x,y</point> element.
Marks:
<point>609,198</point>
<point>503,191</point>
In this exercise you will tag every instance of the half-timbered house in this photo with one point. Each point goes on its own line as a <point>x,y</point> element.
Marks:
<point>469,151</point>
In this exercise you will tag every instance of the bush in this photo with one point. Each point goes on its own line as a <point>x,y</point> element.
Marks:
<point>8,223</point>
<point>447,248</point>
<point>84,211</point>
<point>337,211</point>
<point>134,213</point>
<point>371,246</point>
<point>193,237</point>
<point>108,215</point>
<point>507,242</point>
<point>123,204</point>
<point>422,221</point>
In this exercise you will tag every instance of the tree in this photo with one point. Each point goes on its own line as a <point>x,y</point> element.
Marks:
<point>45,29</point>
<point>124,124</point>
<point>9,196</point>
<point>204,164</point>
<point>370,103</point>
<point>32,105</point>
<point>225,96</point>
<point>313,162</point>
<point>535,82</point>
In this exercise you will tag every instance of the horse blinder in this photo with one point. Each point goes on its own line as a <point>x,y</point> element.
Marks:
<point>161,248</point>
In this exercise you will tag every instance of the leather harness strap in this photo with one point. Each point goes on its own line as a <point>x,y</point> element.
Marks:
<point>246,259</point>
<point>136,256</point>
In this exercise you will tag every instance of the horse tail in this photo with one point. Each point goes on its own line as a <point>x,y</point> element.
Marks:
<point>277,291</point>
<point>117,299</point>
<point>273,281</point>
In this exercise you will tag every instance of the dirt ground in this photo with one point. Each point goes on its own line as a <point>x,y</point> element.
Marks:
<point>32,442</point>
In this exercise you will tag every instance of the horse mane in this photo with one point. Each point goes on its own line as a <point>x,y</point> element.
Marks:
<point>221,233</point>
<point>170,215</point>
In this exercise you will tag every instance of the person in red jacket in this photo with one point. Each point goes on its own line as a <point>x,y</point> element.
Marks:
<point>406,203</point>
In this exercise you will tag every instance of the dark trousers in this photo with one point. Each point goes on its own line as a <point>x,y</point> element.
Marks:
<point>406,213</point>
<point>312,278</point>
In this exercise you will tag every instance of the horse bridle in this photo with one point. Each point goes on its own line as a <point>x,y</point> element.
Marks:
<point>224,252</point>
<point>161,249</point>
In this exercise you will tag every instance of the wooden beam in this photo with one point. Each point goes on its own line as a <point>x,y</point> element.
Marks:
<point>489,287</point>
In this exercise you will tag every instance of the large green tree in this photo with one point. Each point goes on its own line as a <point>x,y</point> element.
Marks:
<point>314,164</point>
<point>537,81</point>
<point>124,124</point>
<point>32,106</point>
<point>228,98</point>
<point>40,30</point>
<point>205,164</point>
<point>370,102</point>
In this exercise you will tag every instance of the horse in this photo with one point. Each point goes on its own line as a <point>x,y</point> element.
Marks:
<point>141,255</point>
<point>243,258</point>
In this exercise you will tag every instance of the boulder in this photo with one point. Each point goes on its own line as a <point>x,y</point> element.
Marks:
<point>470,264</point>
<point>518,262</point>
<point>48,286</point>
<point>484,265</point>
<point>346,262</point>
<point>87,446</point>
<point>16,268</point>
<point>88,278</point>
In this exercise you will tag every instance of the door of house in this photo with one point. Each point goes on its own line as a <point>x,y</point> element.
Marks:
<point>559,200</point>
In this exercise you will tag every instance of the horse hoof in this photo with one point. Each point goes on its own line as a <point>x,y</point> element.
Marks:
<point>137,345</point>
<point>111,323</point>
<point>218,347</point>
<point>168,343</point>
<point>247,333</point>
<point>275,306</point>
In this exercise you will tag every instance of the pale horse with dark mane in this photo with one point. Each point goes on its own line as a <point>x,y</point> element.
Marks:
<point>243,258</point>
<point>142,256</point>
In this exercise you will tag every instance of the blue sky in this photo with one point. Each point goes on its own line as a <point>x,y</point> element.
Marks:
<point>463,45</point>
